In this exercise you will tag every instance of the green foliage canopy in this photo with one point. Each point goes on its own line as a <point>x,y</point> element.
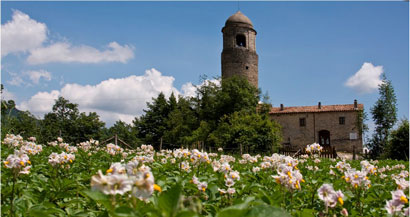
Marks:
<point>384,114</point>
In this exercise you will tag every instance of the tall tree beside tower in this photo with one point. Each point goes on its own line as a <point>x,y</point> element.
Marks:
<point>384,114</point>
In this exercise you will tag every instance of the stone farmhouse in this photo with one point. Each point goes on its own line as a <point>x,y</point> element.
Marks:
<point>329,125</point>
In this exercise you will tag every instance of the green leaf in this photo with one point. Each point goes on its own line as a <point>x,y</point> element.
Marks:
<point>265,210</point>
<point>123,211</point>
<point>186,213</point>
<point>99,197</point>
<point>307,213</point>
<point>42,211</point>
<point>229,212</point>
<point>169,200</point>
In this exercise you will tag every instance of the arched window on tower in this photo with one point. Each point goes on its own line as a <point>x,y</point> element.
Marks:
<point>240,40</point>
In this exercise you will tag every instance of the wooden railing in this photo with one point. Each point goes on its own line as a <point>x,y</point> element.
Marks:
<point>116,140</point>
<point>327,152</point>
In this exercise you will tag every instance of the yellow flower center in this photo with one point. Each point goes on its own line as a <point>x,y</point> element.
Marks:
<point>65,156</point>
<point>355,176</point>
<point>340,200</point>
<point>404,199</point>
<point>22,163</point>
<point>6,162</point>
<point>29,162</point>
<point>157,188</point>
<point>203,189</point>
<point>109,170</point>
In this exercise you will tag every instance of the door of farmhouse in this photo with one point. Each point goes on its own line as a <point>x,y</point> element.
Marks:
<point>324,138</point>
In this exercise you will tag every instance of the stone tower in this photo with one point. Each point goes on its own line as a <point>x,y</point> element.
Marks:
<point>239,52</point>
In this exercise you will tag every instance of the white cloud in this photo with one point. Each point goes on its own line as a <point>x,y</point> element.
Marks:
<point>35,76</point>
<point>40,103</point>
<point>16,79</point>
<point>21,34</point>
<point>189,89</point>
<point>112,99</point>
<point>367,79</point>
<point>64,52</point>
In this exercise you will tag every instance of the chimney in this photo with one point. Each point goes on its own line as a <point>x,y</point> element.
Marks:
<point>281,107</point>
<point>319,105</point>
<point>355,103</point>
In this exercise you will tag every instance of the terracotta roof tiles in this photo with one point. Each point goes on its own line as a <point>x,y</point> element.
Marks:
<point>307,109</point>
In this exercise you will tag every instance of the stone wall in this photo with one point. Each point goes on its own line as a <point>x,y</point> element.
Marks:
<point>235,60</point>
<point>240,61</point>
<point>298,136</point>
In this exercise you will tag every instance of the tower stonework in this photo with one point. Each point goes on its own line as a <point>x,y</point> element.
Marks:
<point>239,50</point>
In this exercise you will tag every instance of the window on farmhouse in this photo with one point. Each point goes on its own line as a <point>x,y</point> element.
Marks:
<point>341,120</point>
<point>302,122</point>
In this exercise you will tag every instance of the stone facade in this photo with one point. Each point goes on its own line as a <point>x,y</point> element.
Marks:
<point>239,55</point>
<point>337,123</point>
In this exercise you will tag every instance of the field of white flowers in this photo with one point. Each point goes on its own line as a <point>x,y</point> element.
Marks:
<point>88,179</point>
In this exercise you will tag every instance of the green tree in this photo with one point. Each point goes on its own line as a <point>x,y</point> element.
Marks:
<point>398,146</point>
<point>384,114</point>
<point>124,132</point>
<point>17,122</point>
<point>237,94</point>
<point>66,121</point>
<point>181,122</point>
<point>60,122</point>
<point>250,130</point>
<point>213,102</point>
<point>152,125</point>
<point>89,126</point>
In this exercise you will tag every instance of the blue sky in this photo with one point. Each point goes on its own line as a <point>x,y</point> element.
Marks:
<point>307,51</point>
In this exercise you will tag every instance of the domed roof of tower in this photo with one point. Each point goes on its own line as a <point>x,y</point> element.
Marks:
<point>238,17</point>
